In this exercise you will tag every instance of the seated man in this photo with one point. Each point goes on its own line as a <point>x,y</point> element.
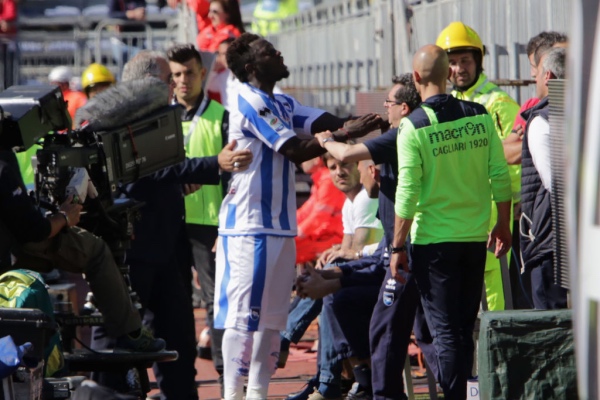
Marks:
<point>360,227</point>
<point>392,317</point>
<point>341,334</point>
<point>42,243</point>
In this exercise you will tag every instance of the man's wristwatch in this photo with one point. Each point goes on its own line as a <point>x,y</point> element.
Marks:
<point>328,139</point>
<point>394,250</point>
<point>64,215</point>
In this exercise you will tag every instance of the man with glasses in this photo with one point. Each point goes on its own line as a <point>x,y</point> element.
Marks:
<point>394,311</point>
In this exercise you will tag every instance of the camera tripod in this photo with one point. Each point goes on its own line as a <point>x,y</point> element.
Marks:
<point>116,228</point>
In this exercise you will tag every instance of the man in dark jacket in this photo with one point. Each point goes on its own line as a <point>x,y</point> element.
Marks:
<point>537,236</point>
<point>160,256</point>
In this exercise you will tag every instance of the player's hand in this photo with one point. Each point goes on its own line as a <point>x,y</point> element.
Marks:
<point>322,260</point>
<point>313,285</point>
<point>323,135</point>
<point>189,188</point>
<point>345,254</point>
<point>234,161</point>
<point>73,211</point>
<point>399,262</point>
<point>384,125</point>
<point>500,239</point>
<point>363,125</point>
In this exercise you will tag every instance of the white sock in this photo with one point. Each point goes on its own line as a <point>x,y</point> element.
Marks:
<point>265,355</point>
<point>237,351</point>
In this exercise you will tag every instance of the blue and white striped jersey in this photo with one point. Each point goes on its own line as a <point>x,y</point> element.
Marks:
<point>262,199</point>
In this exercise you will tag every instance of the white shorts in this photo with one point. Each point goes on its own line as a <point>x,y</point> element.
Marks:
<point>253,282</point>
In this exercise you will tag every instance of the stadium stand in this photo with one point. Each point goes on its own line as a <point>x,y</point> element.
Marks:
<point>77,33</point>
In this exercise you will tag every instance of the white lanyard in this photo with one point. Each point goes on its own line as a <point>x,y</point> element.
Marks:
<point>186,139</point>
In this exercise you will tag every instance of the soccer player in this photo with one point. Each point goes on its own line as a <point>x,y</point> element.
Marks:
<point>257,221</point>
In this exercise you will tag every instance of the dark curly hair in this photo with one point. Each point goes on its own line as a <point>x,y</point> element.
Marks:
<point>408,92</point>
<point>239,54</point>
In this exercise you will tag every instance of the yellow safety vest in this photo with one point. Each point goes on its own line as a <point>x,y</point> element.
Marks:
<point>202,207</point>
<point>268,14</point>
<point>503,110</point>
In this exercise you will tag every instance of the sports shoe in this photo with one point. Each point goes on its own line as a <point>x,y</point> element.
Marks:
<point>203,348</point>
<point>356,393</point>
<point>316,395</point>
<point>145,342</point>
<point>311,386</point>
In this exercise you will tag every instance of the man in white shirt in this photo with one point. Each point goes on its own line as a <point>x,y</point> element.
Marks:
<point>537,236</point>
<point>359,214</point>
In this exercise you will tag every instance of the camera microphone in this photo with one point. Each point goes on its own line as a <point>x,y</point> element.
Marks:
<point>123,103</point>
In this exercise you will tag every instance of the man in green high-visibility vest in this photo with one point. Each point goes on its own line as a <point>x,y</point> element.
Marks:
<point>450,165</point>
<point>205,127</point>
<point>465,54</point>
<point>268,14</point>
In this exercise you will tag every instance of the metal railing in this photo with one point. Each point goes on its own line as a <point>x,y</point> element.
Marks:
<point>341,47</point>
<point>44,43</point>
<point>9,61</point>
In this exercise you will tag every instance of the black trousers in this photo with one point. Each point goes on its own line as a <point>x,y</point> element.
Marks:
<point>165,292</point>
<point>450,281</point>
<point>546,294</point>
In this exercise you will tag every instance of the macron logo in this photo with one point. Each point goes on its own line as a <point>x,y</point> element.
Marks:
<point>17,192</point>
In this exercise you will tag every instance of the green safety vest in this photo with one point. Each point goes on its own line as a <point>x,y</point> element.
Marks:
<point>24,159</point>
<point>503,110</point>
<point>268,14</point>
<point>430,160</point>
<point>202,207</point>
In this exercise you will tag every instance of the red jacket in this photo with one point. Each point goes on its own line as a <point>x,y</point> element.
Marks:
<point>519,121</point>
<point>321,215</point>
<point>200,8</point>
<point>210,37</point>
<point>8,13</point>
<point>74,100</point>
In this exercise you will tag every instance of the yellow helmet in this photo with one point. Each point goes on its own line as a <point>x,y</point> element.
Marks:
<point>458,36</point>
<point>94,74</point>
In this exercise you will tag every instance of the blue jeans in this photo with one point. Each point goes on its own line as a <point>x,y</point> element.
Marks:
<point>302,313</point>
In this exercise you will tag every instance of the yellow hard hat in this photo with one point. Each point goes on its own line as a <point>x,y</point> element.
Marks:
<point>458,36</point>
<point>96,73</point>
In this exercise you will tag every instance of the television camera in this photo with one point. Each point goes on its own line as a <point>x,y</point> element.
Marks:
<point>95,162</point>
<point>68,160</point>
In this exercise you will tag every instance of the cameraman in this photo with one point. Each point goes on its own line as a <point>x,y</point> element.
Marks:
<point>42,243</point>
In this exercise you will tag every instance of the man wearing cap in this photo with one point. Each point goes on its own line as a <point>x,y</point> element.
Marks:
<point>61,77</point>
<point>465,53</point>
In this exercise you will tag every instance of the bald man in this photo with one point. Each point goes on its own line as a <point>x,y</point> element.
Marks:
<point>450,163</point>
